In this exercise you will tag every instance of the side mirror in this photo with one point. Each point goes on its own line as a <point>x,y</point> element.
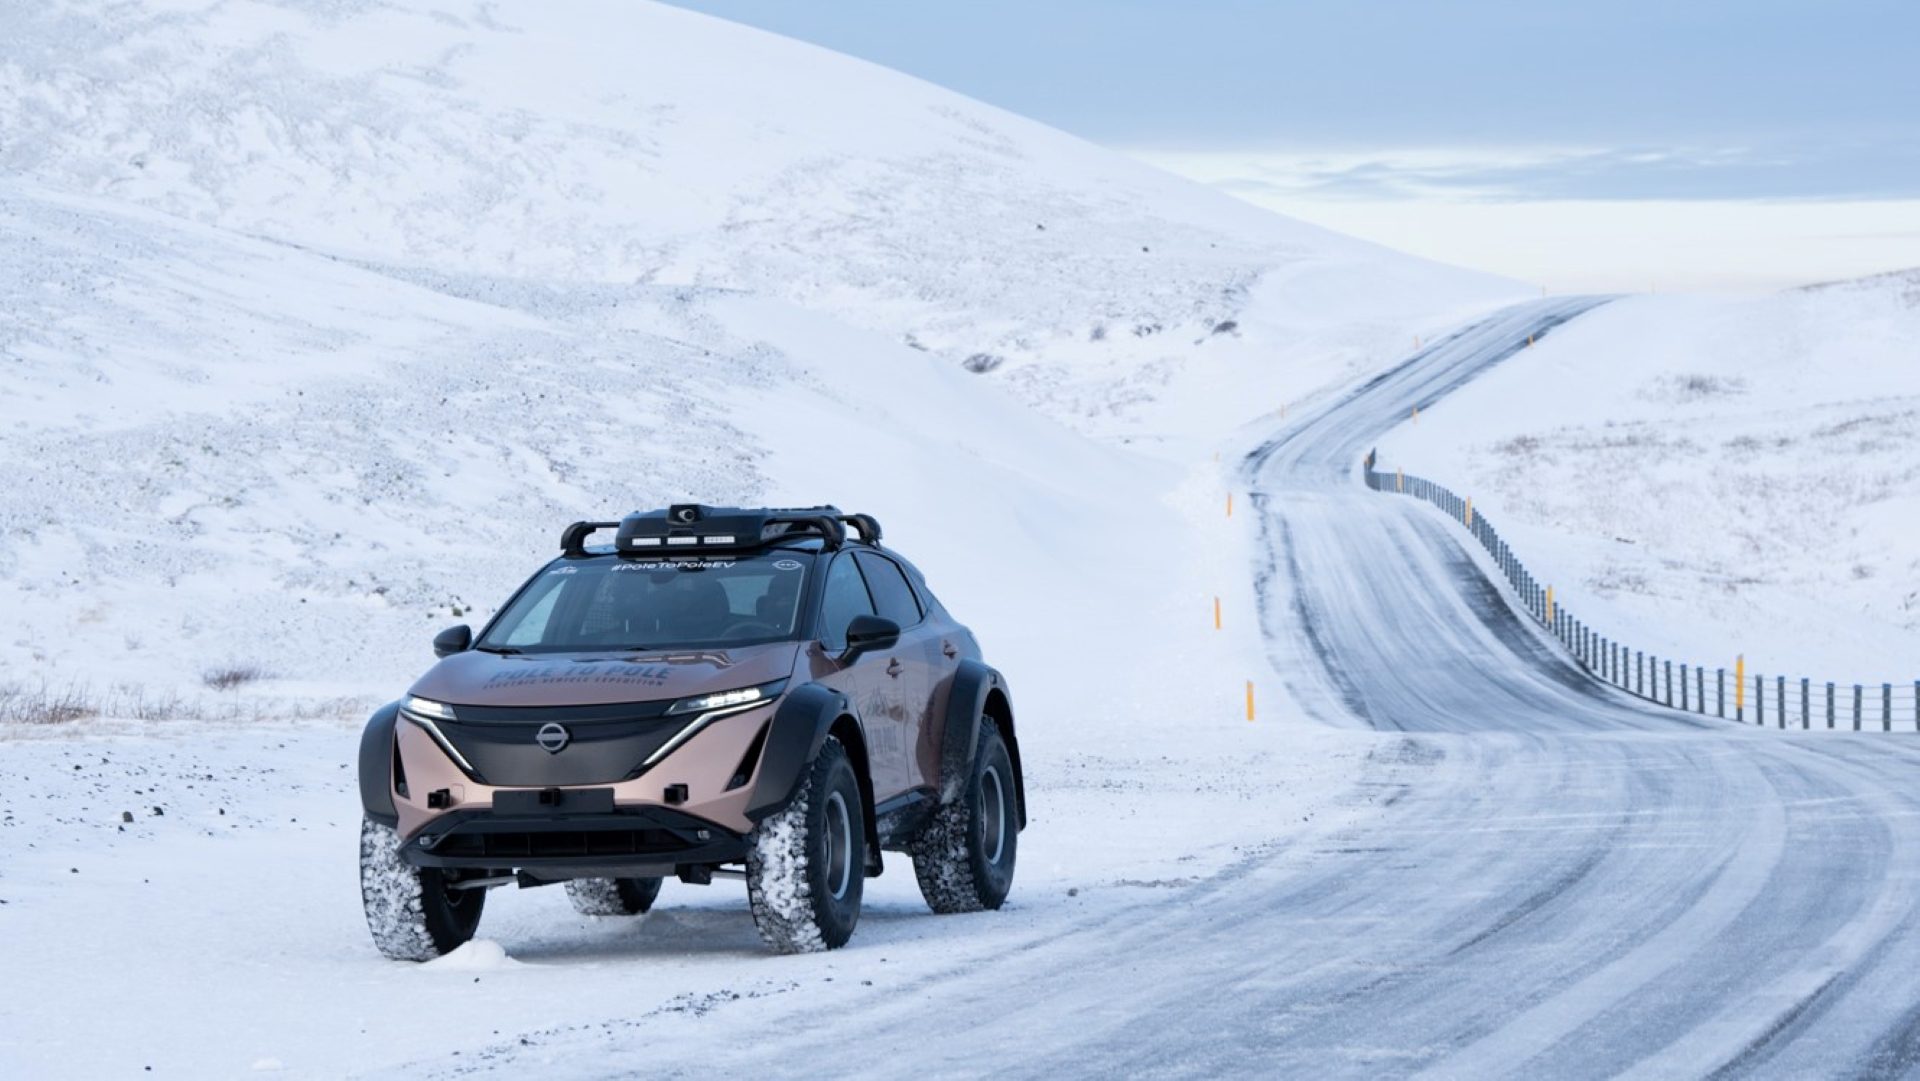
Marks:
<point>868,633</point>
<point>453,640</point>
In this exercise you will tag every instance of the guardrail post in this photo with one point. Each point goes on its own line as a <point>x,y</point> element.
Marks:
<point>1886,707</point>
<point>1759,701</point>
<point>1720,681</point>
<point>1916,705</point>
<point>1806,711</point>
<point>1700,689</point>
<point>1780,710</point>
<point>1856,707</point>
<point>1683,689</point>
<point>1639,673</point>
<point>1829,703</point>
<point>1669,683</point>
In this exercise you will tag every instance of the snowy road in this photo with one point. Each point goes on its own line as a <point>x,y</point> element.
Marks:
<point>1591,887</point>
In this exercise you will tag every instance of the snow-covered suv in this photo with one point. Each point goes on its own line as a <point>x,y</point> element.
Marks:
<point>759,694</point>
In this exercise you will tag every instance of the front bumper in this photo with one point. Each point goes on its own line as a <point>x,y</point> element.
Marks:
<point>631,841</point>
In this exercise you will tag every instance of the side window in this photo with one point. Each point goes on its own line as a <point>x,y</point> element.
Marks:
<point>845,597</point>
<point>892,597</point>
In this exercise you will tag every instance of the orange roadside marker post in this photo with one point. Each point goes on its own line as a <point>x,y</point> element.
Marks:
<point>1249,700</point>
<point>1216,613</point>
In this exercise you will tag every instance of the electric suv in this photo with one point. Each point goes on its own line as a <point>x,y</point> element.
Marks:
<point>766,695</point>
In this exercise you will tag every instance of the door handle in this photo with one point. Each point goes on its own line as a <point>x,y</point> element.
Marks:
<point>894,667</point>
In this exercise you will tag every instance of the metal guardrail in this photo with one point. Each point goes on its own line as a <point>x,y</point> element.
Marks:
<point>1802,702</point>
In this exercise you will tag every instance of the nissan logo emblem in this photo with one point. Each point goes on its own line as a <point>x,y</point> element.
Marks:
<point>553,738</point>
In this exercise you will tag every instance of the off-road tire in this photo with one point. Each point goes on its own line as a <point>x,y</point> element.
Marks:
<point>410,910</point>
<point>612,896</point>
<point>805,888</point>
<point>964,856</point>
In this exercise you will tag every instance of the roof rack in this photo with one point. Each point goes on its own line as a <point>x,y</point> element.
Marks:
<point>693,527</point>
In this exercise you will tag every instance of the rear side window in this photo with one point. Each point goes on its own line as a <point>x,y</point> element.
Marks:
<point>845,597</point>
<point>892,597</point>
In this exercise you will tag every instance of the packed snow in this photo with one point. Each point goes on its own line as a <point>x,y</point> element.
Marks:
<point>1706,477</point>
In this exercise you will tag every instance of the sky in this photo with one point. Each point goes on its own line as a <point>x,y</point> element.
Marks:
<point>1628,145</point>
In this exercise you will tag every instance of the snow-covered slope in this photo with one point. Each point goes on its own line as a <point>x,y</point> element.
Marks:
<point>1709,476</point>
<point>628,142</point>
<point>319,318</point>
<point>230,454</point>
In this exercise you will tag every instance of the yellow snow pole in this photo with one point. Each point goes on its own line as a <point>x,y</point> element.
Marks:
<point>1216,613</point>
<point>1529,341</point>
<point>1249,700</point>
<point>1469,516</point>
<point>1400,480</point>
<point>1740,683</point>
<point>1549,606</point>
<point>1416,414</point>
<point>1229,504</point>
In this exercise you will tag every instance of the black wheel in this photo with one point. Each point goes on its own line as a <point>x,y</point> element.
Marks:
<point>415,913</point>
<point>807,864</point>
<point>964,856</point>
<point>612,896</point>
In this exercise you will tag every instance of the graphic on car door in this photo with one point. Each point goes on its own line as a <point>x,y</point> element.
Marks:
<point>919,664</point>
<point>875,682</point>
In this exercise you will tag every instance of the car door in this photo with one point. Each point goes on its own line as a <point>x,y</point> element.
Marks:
<point>873,682</point>
<point>914,667</point>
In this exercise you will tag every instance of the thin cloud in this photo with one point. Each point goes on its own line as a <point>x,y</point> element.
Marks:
<point>1851,172</point>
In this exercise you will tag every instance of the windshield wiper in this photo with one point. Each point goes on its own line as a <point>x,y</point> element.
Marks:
<point>504,651</point>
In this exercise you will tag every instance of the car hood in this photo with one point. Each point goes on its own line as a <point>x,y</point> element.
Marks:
<point>600,679</point>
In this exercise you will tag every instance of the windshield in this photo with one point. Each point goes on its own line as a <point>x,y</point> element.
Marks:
<point>610,603</point>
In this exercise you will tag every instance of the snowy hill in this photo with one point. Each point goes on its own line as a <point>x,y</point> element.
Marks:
<point>632,143</point>
<point>319,319</point>
<point>1706,476</point>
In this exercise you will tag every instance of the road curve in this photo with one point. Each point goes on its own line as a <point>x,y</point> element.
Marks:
<point>1619,888</point>
<point>1559,881</point>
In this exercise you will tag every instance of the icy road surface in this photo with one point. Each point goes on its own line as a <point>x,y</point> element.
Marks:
<point>1585,886</point>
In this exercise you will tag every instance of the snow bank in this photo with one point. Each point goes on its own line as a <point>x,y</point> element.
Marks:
<point>1702,477</point>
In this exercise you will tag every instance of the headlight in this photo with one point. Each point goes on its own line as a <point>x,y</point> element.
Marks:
<point>426,708</point>
<point>711,706</point>
<point>745,696</point>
